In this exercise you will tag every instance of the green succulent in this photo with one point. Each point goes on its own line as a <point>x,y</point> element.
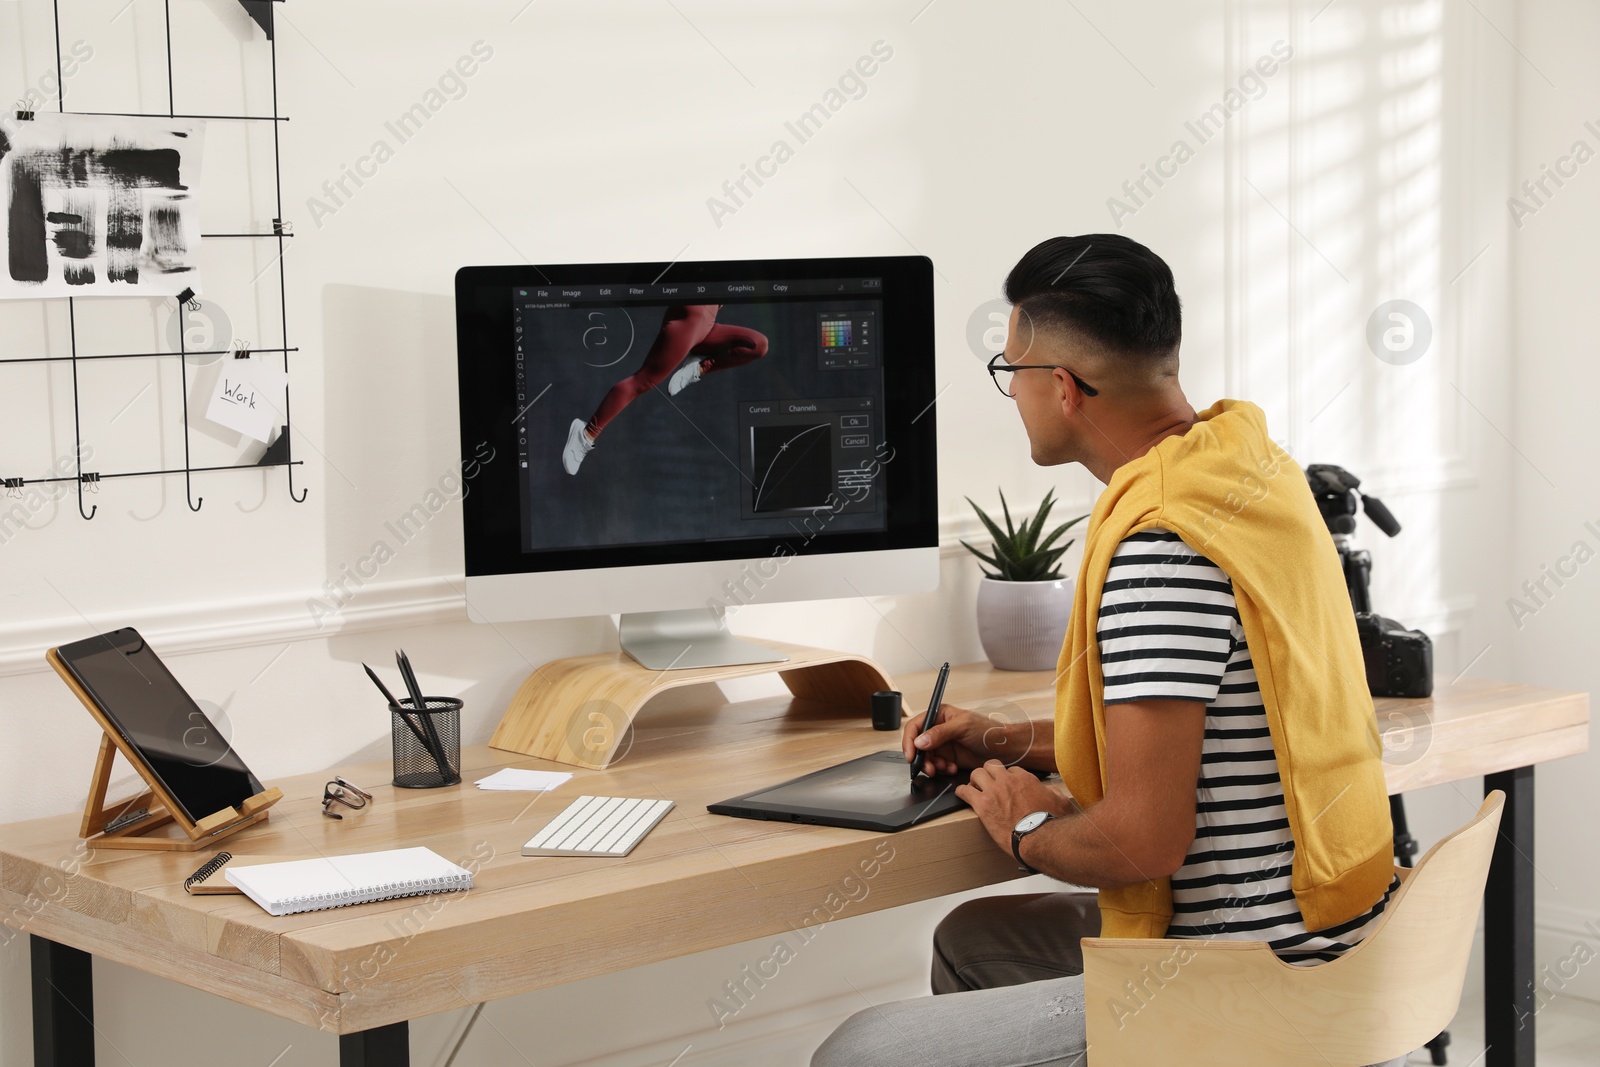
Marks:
<point>1019,555</point>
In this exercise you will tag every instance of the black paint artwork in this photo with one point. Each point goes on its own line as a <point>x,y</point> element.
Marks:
<point>95,208</point>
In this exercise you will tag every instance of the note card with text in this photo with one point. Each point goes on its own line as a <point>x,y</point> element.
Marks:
<point>249,398</point>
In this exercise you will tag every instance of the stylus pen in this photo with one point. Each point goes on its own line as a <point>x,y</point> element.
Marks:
<point>419,705</point>
<point>435,746</point>
<point>415,729</point>
<point>931,717</point>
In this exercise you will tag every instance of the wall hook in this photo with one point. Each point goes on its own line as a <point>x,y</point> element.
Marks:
<point>82,478</point>
<point>259,504</point>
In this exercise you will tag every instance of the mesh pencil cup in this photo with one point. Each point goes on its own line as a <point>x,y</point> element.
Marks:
<point>414,764</point>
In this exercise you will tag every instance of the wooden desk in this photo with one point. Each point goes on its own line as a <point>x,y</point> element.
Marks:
<point>697,882</point>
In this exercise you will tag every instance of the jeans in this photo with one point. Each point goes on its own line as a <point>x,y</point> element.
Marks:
<point>1008,979</point>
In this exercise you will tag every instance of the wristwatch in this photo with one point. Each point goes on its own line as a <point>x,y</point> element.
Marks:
<point>1028,825</point>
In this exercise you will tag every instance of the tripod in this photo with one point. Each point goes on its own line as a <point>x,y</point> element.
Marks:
<point>1337,491</point>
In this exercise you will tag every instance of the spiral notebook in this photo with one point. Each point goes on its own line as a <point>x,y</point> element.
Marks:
<point>338,881</point>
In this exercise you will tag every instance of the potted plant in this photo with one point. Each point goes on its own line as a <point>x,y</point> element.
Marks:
<point>1024,605</point>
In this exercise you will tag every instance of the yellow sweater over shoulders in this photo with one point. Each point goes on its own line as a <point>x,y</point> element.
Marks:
<point>1237,498</point>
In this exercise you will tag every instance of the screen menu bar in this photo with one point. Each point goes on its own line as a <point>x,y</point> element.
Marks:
<point>747,290</point>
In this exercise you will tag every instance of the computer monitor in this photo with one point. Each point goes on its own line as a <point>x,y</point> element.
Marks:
<point>669,441</point>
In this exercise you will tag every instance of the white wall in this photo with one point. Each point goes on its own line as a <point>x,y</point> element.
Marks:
<point>1557,488</point>
<point>1373,166</point>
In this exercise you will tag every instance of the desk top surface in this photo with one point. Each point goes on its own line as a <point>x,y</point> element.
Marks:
<point>696,882</point>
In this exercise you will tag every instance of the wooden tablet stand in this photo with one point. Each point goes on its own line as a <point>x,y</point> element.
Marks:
<point>578,710</point>
<point>135,833</point>
<point>112,825</point>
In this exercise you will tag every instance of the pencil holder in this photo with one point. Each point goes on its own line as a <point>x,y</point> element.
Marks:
<point>415,765</point>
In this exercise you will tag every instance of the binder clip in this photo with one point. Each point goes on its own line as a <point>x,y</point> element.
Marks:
<point>90,480</point>
<point>242,352</point>
<point>13,486</point>
<point>282,228</point>
<point>24,115</point>
<point>187,299</point>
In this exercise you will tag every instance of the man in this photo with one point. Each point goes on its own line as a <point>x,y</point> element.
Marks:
<point>1213,728</point>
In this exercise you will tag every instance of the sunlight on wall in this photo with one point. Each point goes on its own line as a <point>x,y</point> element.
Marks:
<point>1341,302</point>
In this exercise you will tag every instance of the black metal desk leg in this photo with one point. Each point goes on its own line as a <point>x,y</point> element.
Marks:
<point>383,1046</point>
<point>63,1005</point>
<point>1509,1001</point>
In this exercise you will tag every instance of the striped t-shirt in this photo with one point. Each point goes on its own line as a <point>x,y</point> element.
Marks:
<point>1169,630</point>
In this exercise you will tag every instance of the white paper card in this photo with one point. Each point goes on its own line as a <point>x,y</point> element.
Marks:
<point>513,778</point>
<point>249,398</point>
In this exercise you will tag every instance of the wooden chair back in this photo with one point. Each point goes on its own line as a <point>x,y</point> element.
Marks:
<point>1234,1002</point>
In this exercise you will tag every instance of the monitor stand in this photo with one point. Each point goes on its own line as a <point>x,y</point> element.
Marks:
<point>579,710</point>
<point>689,637</point>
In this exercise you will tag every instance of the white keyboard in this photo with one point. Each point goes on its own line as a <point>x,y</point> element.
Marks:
<point>598,826</point>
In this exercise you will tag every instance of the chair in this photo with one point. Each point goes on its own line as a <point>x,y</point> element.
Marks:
<point>1151,1001</point>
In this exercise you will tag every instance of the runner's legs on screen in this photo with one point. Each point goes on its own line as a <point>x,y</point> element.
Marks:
<point>687,330</point>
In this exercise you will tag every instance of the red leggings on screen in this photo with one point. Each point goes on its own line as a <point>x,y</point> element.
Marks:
<point>687,330</point>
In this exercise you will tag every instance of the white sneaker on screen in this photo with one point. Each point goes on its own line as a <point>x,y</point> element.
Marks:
<point>578,446</point>
<point>684,377</point>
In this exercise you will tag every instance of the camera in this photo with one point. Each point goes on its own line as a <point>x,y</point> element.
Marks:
<point>1399,661</point>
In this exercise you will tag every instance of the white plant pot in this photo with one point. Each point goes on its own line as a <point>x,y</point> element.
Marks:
<point>1024,624</point>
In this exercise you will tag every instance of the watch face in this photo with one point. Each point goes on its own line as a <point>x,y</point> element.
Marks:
<point>1032,822</point>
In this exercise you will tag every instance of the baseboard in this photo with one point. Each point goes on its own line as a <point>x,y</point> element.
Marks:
<point>1567,952</point>
<point>220,624</point>
<point>782,1037</point>
<point>309,614</point>
<point>312,614</point>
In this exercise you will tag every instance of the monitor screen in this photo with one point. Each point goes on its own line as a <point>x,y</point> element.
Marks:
<point>662,414</point>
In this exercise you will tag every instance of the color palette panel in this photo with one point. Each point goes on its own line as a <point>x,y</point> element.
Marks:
<point>838,333</point>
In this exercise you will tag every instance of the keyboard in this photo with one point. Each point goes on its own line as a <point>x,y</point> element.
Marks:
<point>598,826</point>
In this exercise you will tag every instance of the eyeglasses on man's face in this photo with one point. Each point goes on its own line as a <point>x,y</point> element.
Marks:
<point>1007,386</point>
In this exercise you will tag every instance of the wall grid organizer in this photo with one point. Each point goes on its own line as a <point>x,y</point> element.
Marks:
<point>278,453</point>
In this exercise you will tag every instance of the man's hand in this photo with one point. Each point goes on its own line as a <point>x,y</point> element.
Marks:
<point>952,743</point>
<point>1002,795</point>
<point>1140,830</point>
<point>961,739</point>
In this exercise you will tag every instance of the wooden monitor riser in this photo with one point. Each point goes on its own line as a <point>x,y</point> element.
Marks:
<point>577,710</point>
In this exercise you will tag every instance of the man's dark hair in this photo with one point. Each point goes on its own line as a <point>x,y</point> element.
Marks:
<point>1111,291</point>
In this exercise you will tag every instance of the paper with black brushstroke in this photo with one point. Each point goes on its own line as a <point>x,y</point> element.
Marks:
<point>99,206</point>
